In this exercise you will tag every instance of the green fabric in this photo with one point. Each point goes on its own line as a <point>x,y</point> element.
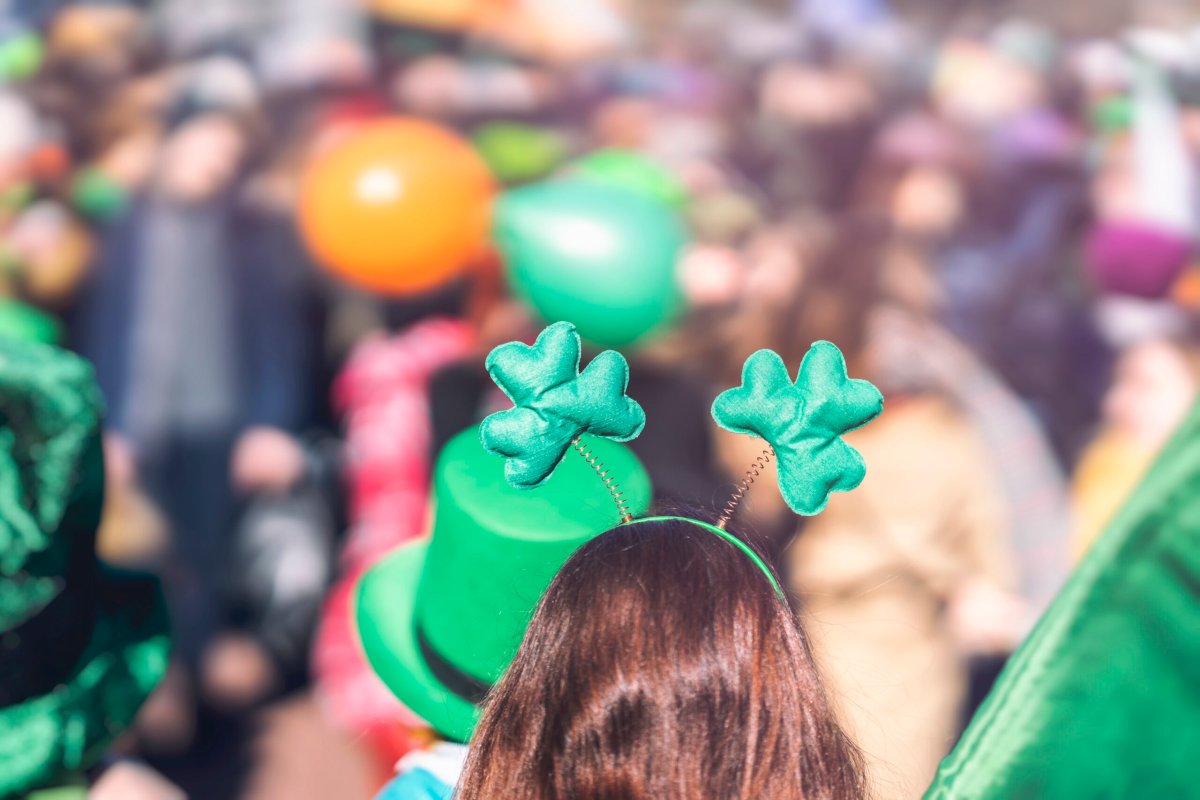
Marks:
<point>746,549</point>
<point>51,495</point>
<point>1102,699</point>
<point>554,403</point>
<point>49,441</point>
<point>627,169</point>
<point>803,421</point>
<point>519,153</point>
<point>600,257</point>
<point>472,587</point>
<point>28,324</point>
<point>71,728</point>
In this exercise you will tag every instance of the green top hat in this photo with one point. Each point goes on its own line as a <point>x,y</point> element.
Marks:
<point>441,619</point>
<point>81,646</point>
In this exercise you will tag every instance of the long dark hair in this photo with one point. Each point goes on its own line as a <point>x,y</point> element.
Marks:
<point>661,663</point>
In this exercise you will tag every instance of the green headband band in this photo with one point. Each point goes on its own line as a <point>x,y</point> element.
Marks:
<point>727,536</point>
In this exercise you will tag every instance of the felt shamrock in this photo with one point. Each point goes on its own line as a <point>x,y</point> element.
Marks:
<point>555,403</point>
<point>803,421</point>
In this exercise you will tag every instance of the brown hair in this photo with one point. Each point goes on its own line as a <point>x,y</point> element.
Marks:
<point>661,663</point>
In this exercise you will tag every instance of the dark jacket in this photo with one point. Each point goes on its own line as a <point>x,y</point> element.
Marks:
<point>266,291</point>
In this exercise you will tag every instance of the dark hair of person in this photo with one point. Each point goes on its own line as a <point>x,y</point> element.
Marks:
<point>661,663</point>
<point>840,292</point>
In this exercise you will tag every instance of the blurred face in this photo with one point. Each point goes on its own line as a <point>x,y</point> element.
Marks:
<point>1153,390</point>
<point>710,275</point>
<point>814,97</point>
<point>433,86</point>
<point>928,202</point>
<point>202,158</point>
<point>774,269</point>
<point>977,86</point>
<point>129,161</point>
<point>98,35</point>
<point>624,122</point>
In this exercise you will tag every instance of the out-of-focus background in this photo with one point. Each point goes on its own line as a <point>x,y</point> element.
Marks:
<point>287,232</point>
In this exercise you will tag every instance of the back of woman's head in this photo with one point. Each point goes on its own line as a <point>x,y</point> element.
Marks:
<point>661,663</point>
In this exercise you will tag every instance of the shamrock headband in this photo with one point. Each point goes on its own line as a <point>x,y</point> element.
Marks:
<point>801,422</point>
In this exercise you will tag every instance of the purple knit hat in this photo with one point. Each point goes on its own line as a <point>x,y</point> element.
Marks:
<point>1136,258</point>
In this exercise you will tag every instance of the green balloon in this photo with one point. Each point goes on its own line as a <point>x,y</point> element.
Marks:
<point>601,257</point>
<point>519,153</point>
<point>28,324</point>
<point>630,170</point>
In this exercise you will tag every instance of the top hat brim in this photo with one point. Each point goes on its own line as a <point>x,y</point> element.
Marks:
<point>383,610</point>
<point>47,738</point>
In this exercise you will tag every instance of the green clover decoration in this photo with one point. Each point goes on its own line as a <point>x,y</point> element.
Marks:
<point>554,403</point>
<point>803,421</point>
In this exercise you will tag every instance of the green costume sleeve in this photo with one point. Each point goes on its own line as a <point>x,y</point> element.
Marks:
<point>1102,700</point>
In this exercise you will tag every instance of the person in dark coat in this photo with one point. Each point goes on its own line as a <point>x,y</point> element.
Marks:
<point>196,323</point>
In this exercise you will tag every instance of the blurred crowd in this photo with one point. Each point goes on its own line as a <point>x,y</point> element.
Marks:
<point>994,220</point>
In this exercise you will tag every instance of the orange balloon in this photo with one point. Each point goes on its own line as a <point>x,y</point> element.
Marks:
<point>398,207</point>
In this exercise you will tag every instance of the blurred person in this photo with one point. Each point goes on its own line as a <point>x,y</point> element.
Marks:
<point>987,187</point>
<point>900,581</point>
<point>99,43</point>
<point>918,175</point>
<point>920,353</point>
<point>383,397</point>
<point>282,567</point>
<point>695,681</point>
<point>1008,290</point>
<point>1155,384</point>
<point>807,139</point>
<point>922,178</point>
<point>191,337</point>
<point>283,541</point>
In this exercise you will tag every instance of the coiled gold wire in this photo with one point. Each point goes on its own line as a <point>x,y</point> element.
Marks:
<point>610,482</point>
<point>756,469</point>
